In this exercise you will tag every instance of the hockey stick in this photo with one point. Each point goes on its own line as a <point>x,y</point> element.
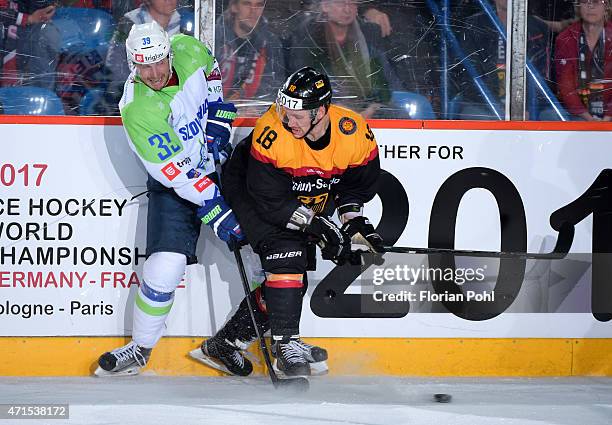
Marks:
<point>561,249</point>
<point>299,384</point>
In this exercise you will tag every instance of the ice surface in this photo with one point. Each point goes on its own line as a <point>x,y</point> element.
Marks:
<point>359,400</point>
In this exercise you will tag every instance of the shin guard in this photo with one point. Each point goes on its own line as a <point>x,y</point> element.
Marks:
<point>284,303</point>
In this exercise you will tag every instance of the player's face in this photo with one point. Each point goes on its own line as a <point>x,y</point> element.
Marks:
<point>247,13</point>
<point>299,122</point>
<point>155,75</point>
<point>593,11</point>
<point>340,12</point>
<point>163,7</point>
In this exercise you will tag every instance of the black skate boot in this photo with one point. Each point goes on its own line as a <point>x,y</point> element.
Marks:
<point>224,356</point>
<point>225,350</point>
<point>290,359</point>
<point>314,355</point>
<point>126,360</point>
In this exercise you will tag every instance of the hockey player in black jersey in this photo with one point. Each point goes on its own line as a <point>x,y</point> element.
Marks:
<point>304,159</point>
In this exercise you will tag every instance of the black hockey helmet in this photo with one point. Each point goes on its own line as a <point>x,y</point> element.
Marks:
<point>306,88</point>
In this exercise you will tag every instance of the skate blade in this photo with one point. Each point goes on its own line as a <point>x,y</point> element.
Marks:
<point>316,369</point>
<point>319,368</point>
<point>199,355</point>
<point>130,371</point>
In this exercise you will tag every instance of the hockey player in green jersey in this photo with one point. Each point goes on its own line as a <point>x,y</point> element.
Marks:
<point>178,125</point>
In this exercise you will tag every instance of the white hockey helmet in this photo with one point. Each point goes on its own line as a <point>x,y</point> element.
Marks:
<point>146,44</point>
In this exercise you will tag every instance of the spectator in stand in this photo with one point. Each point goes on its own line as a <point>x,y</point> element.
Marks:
<point>406,26</point>
<point>352,53</point>
<point>29,43</point>
<point>583,63</point>
<point>485,48</point>
<point>250,56</point>
<point>106,5</point>
<point>118,8</point>
<point>557,14</point>
<point>408,41</point>
<point>165,13</point>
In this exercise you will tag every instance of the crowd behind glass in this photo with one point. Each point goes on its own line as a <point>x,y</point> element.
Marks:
<point>420,59</point>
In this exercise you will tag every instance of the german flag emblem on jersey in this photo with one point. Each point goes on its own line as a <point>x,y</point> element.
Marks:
<point>315,203</point>
<point>347,125</point>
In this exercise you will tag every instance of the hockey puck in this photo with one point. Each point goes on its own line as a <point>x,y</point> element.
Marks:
<point>443,398</point>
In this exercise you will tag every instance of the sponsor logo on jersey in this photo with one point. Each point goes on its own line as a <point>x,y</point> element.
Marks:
<point>307,186</point>
<point>313,171</point>
<point>202,184</point>
<point>214,75</point>
<point>281,255</point>
<point>193,174</point>
<point>170,171</point>
<point>347,125</point>
<point>184,162</point>
<point>315,203</point>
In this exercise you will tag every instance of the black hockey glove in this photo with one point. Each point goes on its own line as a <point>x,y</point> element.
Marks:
<point>363,235</point>
<point>334,243</point>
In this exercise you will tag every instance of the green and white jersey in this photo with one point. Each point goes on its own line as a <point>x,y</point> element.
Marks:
<point>166,128</point>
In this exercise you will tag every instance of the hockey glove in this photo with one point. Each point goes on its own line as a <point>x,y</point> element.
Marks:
<point>220,217</point>
<point>334,243</point>
<point>219,151</point>
<point>363,236</point>
<point>219,124</point>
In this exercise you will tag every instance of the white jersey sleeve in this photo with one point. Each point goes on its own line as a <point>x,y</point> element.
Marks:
<point>167,128</point>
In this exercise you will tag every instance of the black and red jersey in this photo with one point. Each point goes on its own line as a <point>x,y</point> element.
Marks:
<point>284,172</point>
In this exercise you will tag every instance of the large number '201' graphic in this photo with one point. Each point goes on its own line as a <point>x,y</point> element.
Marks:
<point>329,299</point>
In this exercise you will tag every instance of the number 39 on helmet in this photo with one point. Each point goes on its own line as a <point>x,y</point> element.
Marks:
<point>147,44</point>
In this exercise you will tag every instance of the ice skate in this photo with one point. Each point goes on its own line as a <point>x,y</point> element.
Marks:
<point>314,355</point>
<point>124,361</point>
<point>290,357</point>
<point>222,355</point>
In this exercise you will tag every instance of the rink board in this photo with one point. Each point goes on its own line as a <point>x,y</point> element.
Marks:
<point>79,181</point>
<point>77,356</point>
